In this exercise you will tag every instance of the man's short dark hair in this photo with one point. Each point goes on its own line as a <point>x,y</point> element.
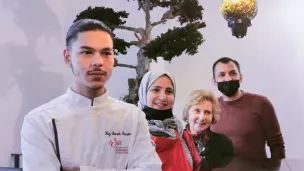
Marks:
<point>225,60</point>
<point>85,25</point>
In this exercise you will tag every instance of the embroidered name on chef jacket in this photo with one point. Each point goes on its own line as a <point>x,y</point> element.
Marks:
<point>117,142</point>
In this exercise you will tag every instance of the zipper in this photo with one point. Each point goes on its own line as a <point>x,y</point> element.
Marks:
<point>56,143</point>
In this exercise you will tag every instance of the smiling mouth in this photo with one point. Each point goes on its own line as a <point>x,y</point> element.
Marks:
<point>201,123</point>
<point>160,105</point>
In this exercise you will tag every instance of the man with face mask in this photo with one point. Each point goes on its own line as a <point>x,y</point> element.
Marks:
<point>249,120</point>
<point>85,129</point>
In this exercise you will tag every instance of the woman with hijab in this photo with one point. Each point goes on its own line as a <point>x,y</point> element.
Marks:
<point>174,146</point>
<point>201,110</point>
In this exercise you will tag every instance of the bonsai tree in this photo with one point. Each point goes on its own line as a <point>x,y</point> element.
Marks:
<point>184,39</point>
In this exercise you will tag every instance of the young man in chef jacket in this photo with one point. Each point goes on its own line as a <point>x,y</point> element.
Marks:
<point>85,129</point>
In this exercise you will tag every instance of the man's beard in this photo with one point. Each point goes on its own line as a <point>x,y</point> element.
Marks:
<point>76,72</point>
<point>73,70</point>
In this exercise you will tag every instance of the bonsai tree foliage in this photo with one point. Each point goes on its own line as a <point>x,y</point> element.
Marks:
<point>183,39</point>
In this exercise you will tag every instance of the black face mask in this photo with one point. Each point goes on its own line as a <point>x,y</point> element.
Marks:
<point>154,114</point>
<point>228,88</point>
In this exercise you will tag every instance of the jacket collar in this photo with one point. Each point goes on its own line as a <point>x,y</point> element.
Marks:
<point>78,100</point>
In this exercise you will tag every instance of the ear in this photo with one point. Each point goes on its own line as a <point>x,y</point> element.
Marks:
<point>241,78</point>
<point>214,82</point>
<point>67,57</point>
<point>215,119</point>
<point>186,117</point>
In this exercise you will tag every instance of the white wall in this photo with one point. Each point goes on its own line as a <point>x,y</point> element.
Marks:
<point>271,58</point>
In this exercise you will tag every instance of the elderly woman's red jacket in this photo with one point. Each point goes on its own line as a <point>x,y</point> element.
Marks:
<point>172,153</point>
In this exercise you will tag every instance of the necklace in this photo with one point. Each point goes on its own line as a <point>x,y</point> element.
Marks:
<point>199,143</point>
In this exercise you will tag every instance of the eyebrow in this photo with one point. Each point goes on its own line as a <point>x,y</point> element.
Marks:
<point>221,72</point>
<point>92,49</point>
<point>162,87</point>
<point>86,47</point>
<point>229,71</point>
<point>107,49</point>
<point>155,87</point>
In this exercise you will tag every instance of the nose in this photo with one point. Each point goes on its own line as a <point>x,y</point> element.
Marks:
<point>202,116</point>
<point>228,78</point>
<point>162,96</point>
<point>97,60</point>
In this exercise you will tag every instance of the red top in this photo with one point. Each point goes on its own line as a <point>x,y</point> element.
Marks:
<point>172,153</point>
<point>250,122</point>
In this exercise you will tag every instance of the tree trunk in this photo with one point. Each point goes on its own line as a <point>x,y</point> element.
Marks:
<point>143,66</point>
<point>143,63</point>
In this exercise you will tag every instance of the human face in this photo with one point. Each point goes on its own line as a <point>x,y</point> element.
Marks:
<point>161,94</point>
<point>226,72</point>
<point>200,117</point>
<point>91,58</point>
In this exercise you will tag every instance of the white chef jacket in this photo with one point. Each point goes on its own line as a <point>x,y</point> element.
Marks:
<point>103,134</point>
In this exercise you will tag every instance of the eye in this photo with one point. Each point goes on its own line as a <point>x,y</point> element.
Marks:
<point>169,91</point>
<point>106,53</point>
<point>86,52</point>
<point>221,75</point>
<point>155,90</point>
<point>197,111</point>
<point>233,73</point>
<point>207,112</point>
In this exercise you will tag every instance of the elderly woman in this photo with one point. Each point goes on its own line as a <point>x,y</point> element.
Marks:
<point>201,110</point>
<point>174,146</point>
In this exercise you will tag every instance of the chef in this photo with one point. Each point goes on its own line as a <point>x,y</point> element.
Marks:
<point>85,129</point>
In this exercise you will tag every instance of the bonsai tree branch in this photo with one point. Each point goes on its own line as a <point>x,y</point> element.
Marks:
<point>135,43</point>
<point>126,28</point>
<point>117,64</point>
<point>173,12</point>
<point>136,35</point>
<point>146,8</point>
<point>136,31</point>
<point>125,65</point>
<point>167,15</point>
<point>147,32</point>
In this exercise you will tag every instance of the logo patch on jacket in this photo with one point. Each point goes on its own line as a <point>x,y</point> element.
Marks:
<point>121,150</point>
<point>118,146</point>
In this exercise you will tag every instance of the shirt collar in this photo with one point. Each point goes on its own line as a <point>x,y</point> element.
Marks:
<point>79,100</point>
